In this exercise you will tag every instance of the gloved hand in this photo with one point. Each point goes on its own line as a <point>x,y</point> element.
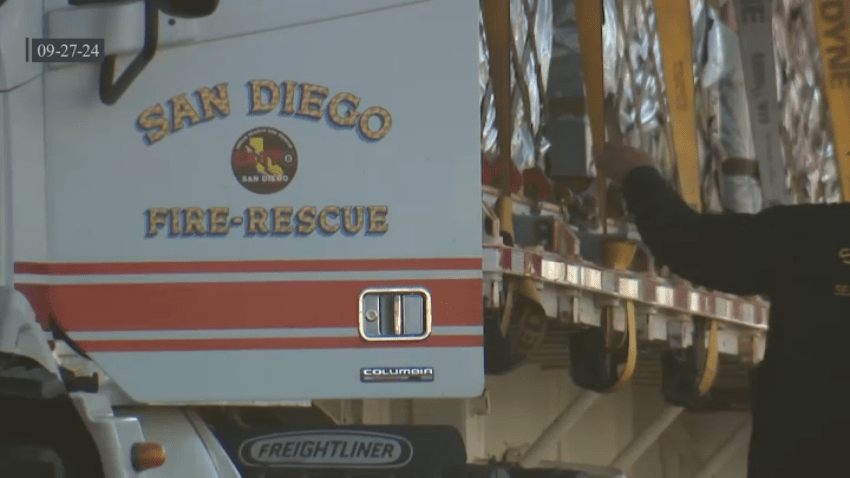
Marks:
<point>618,159</point>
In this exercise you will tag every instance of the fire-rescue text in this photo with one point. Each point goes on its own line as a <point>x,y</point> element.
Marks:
<point>262,221</point>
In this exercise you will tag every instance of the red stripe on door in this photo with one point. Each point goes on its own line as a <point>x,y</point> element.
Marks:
<point>270,344</point>
<point>241,305</point>
<point>317,265</point>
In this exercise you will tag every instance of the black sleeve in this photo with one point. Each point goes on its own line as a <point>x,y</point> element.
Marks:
<point>734,253</point>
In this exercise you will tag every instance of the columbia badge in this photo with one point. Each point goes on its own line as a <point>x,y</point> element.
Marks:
<point>397,374</point>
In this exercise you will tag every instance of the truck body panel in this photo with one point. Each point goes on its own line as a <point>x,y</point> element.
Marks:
<point>164,248</point>
<point>118,22</point>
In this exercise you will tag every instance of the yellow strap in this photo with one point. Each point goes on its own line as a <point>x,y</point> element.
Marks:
<point>524,287</point>
<point>631,358</point>
<point>675,38</point>
<point>832,17</point>
<point>497,24</point>
<point>589,15</point>
<point>505,213</point>
<point>712,357</point>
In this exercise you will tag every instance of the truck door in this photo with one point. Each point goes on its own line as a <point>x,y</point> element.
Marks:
<point>283,205</point>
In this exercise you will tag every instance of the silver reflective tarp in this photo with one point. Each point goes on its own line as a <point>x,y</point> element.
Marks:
<point>546,40</point>
<point>633,74</point>
<point>489,133</point>
<point>805,127</point>
<point>531,52</point>
<point>732,139</point>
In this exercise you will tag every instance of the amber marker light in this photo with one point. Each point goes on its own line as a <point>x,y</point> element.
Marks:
<point>147,455</point>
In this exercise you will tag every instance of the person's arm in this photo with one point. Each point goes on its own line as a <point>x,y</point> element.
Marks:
<point>734,253</point>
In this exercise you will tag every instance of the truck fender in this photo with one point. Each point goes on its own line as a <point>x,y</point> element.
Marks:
<point>113,435</point>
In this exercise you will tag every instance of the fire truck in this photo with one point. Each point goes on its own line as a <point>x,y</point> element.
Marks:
<point>268,238</point>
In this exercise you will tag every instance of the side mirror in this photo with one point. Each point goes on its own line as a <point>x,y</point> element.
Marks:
<point>187,8</point>
<point>112,89</point>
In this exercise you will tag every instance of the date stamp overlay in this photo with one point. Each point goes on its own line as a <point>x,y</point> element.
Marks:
<point>64,50</point>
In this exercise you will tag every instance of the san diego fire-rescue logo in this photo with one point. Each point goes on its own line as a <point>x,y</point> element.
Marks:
<point>264,160</point>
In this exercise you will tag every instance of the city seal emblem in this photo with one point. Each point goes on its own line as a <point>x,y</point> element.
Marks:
<point>264,160</point>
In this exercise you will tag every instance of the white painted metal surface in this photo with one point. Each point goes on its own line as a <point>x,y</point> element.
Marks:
<point>102,193</point>
<point>18,22</point>
<point>677,298</point>
<point>113,435</point>
<point>187,454</point>
<point>121,27</point>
